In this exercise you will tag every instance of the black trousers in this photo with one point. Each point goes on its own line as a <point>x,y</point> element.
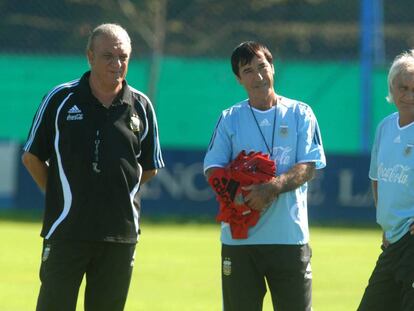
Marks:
<point>107,267</point>
<point>391,285</point>
<point>286,268</point>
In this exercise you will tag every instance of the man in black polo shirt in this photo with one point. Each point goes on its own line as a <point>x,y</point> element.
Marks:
<point>93,143</point>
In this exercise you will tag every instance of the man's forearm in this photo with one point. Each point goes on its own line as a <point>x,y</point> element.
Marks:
<point>294,178</point>
<point>374,185</point>
<point>37,169</point>
<point>147,175</point>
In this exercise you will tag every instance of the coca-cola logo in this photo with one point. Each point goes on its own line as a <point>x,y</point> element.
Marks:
<point>396,174</point>
<point>282,155</point>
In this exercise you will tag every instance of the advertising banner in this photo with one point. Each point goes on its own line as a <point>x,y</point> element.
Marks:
<point>340,192</point>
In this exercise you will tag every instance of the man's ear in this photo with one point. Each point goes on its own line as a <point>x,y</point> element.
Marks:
<point>238,79</point>
<point>90,56</point>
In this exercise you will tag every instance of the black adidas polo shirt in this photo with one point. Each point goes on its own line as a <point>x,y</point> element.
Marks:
<point>96,157</point>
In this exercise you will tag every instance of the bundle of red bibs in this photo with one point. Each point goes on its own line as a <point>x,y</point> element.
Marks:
<point>244,170</point>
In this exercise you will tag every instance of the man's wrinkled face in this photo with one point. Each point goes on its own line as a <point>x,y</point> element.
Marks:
<point>108,58</point>
<point>403,91</point>
<point>257,76</point>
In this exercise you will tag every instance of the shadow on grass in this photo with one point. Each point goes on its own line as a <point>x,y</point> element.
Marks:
<point>35,216</point>
<point>18,215</point>
<point>360,225</point>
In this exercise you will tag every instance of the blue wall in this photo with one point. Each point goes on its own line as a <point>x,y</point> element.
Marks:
<point>340,193</point>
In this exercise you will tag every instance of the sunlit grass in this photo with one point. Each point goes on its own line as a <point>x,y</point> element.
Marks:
<point>177,267</point>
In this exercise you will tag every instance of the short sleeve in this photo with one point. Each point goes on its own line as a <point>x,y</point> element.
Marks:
<point>220,148</point>
<point>40,138</point>
<point>373,167</point>
<point>309,147</point>
<point>151,156</point>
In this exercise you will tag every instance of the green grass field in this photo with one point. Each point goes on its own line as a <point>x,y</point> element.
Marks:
<point>178,267</point>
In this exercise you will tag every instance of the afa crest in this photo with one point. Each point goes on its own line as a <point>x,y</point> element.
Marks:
<point>227,266</point>
<point>283,130</point>
<point>135,123</point>
<point>46,252</point>
<point>408,149</point>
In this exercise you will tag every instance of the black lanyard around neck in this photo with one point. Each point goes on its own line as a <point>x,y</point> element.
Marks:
<point>261,133</point>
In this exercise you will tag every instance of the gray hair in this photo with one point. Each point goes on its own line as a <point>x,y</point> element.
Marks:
<point>401,64</point>
<point>109,30</point>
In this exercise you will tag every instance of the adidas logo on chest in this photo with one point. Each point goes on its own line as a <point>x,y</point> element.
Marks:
<point>74,114</point>
<point>265,122</point>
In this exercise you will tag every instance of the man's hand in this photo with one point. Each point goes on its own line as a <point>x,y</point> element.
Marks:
<point>412,229</point>
<point>260,196</point>
<point>385,242</point>
<point>147,175</point>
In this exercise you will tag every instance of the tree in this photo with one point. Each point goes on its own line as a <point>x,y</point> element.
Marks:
<point>150,22</point>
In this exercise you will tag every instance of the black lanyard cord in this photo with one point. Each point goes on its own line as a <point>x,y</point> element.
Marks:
<point>261,133</point>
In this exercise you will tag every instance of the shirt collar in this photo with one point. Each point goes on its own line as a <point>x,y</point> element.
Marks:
<point>123,97</point>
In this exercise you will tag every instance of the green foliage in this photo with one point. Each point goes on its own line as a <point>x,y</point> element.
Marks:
<point>177,267</point>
